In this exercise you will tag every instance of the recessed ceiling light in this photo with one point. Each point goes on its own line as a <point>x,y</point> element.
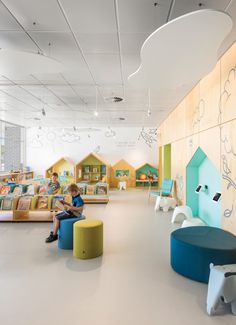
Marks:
<point>95,113</point>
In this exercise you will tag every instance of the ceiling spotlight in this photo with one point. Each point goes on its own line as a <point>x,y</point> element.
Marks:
<point>149,113</point>
<point>95,113</point>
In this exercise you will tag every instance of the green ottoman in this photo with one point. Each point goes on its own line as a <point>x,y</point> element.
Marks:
<point>88,239</point>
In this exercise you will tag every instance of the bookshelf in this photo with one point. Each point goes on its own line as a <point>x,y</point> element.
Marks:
<point>65,167</point>
<point>33,213</point>
<point>92,169</point>
<point>122,171</point>
<point>17,177</point>
<point>142,173</point>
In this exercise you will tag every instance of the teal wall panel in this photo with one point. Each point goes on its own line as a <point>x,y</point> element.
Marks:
<point>200,170</point>
<point>209,211</point>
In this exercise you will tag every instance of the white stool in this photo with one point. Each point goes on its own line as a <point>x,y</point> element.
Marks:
<point>167,202</point>
<point>157,205</point>
<point>221,287</point>
<point>122,185</point>
<point>181,213</point>
<point>192,222</point>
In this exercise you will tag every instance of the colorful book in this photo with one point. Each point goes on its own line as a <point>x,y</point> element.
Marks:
<point>5,190</point>
<point>31,190</point>
<point>102,189</point>
<point>82,188</point>
<point>55,199</point>
<point>90,190</point>
<point>7,203</point>
<point>86,169</point>
<point>42,202</point>
<point>43,189</point>
<point>17,190</point>
<point>24,203</point>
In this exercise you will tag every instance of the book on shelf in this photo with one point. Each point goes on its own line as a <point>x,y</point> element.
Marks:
<point>90,190</point>
<point>82,188</point>
<point>43,189</point>
<point>56,199</point>
<point>95,170</point>
<point>104,169</point>
<point>31,189</point>
<point>42,202</point>
<point>102,189</point>
<point>24,203</point>
<point>86,177</point>
<point>17,190</point>
<point>86,169</point>
<point>7,203</point>
<point>5,190</point>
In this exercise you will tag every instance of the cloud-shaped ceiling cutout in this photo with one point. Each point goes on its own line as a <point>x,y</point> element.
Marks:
<point>182,51</point>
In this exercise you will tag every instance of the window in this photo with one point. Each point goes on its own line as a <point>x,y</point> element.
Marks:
<point>12,147</point>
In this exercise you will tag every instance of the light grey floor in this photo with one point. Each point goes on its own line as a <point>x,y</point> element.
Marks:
<point>132,283</point>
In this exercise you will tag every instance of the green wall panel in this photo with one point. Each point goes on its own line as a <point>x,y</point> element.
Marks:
<point>167,161</point>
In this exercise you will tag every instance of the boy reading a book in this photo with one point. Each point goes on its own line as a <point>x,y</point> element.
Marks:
<point>70,211</point>
<point>53,185</point>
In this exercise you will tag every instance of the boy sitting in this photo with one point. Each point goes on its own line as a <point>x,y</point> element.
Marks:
<point>71,211</point>
<point>53,185</point>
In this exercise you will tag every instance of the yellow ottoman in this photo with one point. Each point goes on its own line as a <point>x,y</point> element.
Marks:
<point>88,239</point>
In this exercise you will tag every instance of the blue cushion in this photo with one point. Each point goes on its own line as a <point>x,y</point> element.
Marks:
<point>194,248</point>
<point>65,233</point>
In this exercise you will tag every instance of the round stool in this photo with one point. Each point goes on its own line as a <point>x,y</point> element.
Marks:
<point>194,248</point>
<point>88,239</point>
<point>192,222</point>
<point>180,213</point>
<point>65,233</point>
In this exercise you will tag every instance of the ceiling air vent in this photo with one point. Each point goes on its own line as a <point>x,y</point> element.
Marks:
<point>114,99</point>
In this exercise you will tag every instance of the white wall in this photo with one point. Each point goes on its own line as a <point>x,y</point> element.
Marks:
<point>47,145</point>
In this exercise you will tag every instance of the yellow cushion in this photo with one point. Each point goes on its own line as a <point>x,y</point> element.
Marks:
<point>88,239</point>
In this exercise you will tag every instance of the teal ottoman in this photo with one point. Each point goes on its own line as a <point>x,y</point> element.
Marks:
<point>192,249</point>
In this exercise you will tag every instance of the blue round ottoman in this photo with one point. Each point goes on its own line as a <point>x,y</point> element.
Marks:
<point>65,233</point>
<point>194,248</point>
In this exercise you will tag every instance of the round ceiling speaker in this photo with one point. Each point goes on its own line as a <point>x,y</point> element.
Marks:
<point>26,63</point>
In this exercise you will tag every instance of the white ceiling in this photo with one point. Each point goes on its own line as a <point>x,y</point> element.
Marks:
<point>98,42</point>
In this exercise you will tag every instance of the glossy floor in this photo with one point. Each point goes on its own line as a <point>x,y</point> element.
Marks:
<point>132,283</point>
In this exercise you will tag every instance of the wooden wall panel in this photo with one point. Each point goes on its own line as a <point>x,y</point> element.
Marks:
<point>191,111</point>
<point>209,99</point>
<point>228,173</point>
<point>214,131</point>
<point>209,141</point>
<point>178,170</point>
<point>191,145</point>
<point>228,85</point>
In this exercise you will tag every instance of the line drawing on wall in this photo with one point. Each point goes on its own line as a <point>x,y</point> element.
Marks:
<point>198,113</point>
<point>149,136</point>
<point>228,212</point>
<point>224,138</point>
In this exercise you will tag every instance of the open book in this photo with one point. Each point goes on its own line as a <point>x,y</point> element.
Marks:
<point>61,204</point>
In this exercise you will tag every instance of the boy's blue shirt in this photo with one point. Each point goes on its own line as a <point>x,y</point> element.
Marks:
<point>77,201</point>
